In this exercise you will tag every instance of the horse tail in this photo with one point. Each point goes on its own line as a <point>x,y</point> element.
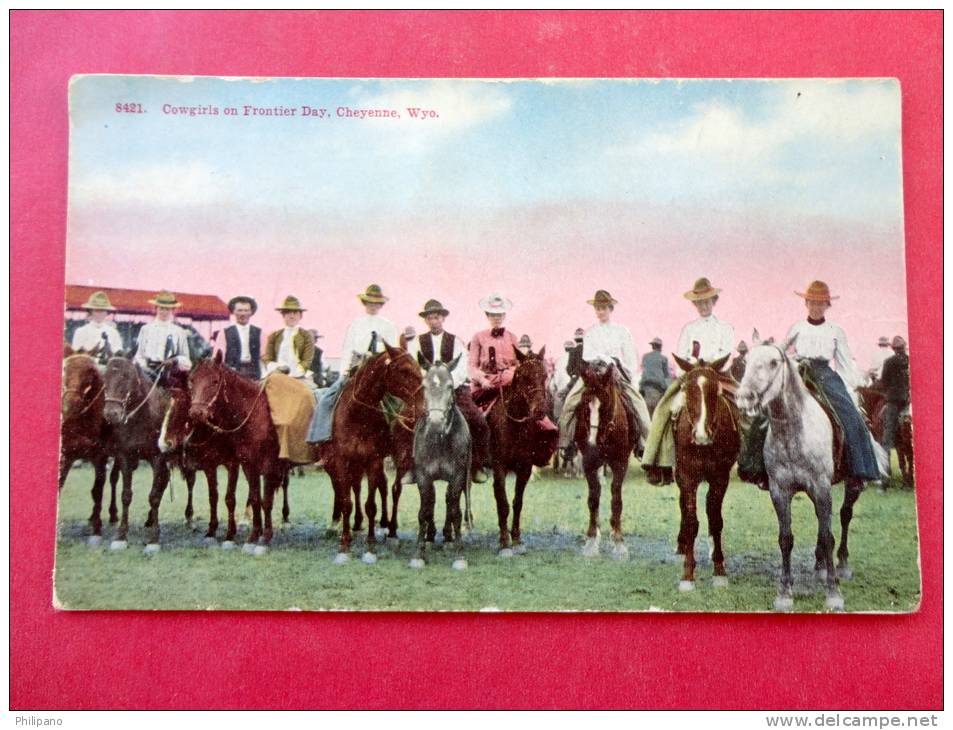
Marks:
<point>467,511</point>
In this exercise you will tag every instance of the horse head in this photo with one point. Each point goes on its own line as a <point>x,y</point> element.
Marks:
<point>207,387</point>
<point>598,376</point>
<point>765,378</point>
<point>122,384</point>
<point>702,388</point>
<point>82,384</point>
<point>438,391</point>
<point>401,374</point>
<point>528,388</point>
<point>175,429</point>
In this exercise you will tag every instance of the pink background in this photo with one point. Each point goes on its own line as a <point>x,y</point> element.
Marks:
<point>407,660</point>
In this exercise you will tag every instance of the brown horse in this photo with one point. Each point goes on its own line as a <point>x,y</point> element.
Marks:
<point>236,409</point>
<point>517,442</point>
<point>874,402</point>
<point>361,438</point>
<point>84,434</point>
<point>603,437</point>
<point>707,440</point>
<point>133,408</point>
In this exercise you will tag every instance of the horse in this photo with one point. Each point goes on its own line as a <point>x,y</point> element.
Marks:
<point>652,394</point>
<point>133,408</point>
<point>237,411</point>
<point>441,451</point>
<point>515,441</point>
<point>798,456</point>
<point>83,432</point>
<point>362,438</point>
<point>603,437</point>
<point>707,441</point>
<point>873,403</point>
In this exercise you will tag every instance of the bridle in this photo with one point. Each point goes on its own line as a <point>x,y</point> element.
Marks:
<point>125,401</point>
<point>783,375</point>
<point>79,394</point>
<point>400,419</point>
<point>218,391</point>
<point>521,394</point>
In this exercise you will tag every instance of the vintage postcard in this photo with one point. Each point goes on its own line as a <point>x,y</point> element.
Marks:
<point>486,345</point>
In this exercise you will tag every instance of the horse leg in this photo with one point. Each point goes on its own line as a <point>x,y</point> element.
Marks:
<point>502,510</point>
<point>619,550</point>
<point>95,521</point>
<point>448,514</point>
<point>455,489</point>
<point>122,533</point>
<point>688,501</point>
<point>230,504</point>
<point>713,504</point>
<point>189,475</point>
<point>211,479</point>
<point>160,480</point>
<point>852,490</point>
<point>343,489</point>
<point>285,508</point>
<point>253,476</point>
<point>376,484</point>
<point>522,477</point>
<point>272,476</point>
<point>782,507</point>
<point>823,510</point>
<point>591,548</point>
<point>114,474</point>
<point>358,514</point>
<point>425,518</point>
<point>65,466</point>
<point>385,515</point>
<point>395,491</point>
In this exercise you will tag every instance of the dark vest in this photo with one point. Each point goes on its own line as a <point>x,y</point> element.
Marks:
<point>233,347</point>
<point>446,347</point>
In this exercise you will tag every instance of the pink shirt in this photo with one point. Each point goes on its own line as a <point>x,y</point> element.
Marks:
<point>505,347</point>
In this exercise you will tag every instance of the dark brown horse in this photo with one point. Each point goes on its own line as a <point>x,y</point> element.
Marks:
<point>874,402</point>
<point>362,438</point>
<point>707,440</point>
<point>236,410</point>
<point>133,408</point>
<point>603,437</point>
<point>84,434</point>
<point>517,442</point>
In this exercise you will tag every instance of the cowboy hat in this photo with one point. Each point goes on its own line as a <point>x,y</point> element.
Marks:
<point>602,298</point>
<point>372,295</point>
<point>701,290</point>
<point>656,342</point>
<point>165,299</point>
<point>742,347</point>
<point>242,298</point>
<point>291,304</point>
<point>884,342</point>
<point>579,333</point>
<point>525,341</point>
<point>495,304</point>
<point>409,333</point>
<point>433,307</point>
<point>99,300</point>
<point>569,345</point>
<point>818,291</point>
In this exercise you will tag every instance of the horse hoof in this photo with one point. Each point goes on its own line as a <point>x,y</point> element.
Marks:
<point>118,545</point>
<point>368,558</point>
<point>783,603</point>
<point>341,558</point>
<point>845,573</point>
<point>719,581</point>
<point>228,545</point>
<point>260,550</point>
<point>620,552</point>
<point>591,548</point>
<point>686,586</point>
<point>459,564</point>
<point>416,563</point>
<point>821,575</point>
<point>249,548</point>
<point>506,553</point>
<point>94,540</point>
<point>519,549</point>
<point>834,603</point>
<point>212,542</point>
<point>152,548</point>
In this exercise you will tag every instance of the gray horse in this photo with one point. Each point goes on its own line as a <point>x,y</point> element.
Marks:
<point>441,451</point>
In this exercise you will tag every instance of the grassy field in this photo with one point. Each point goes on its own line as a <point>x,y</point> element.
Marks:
<point>298,572</point>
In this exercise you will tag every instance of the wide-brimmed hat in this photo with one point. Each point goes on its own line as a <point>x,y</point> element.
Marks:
<point>242,298</point>
<point>656,342</point>
<point>742,347</point>
<point>291,304</point>
<point>898,343</point>
<point>883,342</point>
<point>433,307</point>
<point>817,291</point>
<point>99,300</point>
<point>409,333</point>
<point>701,290</point>
<point>165,299</point>
<point>569,345</point>
<point>525,341</point>
<point>602,298</point>
<point>372,295</point>
<point>495,304</point>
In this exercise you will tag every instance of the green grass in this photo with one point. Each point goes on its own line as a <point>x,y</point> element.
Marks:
<point>553,575</point>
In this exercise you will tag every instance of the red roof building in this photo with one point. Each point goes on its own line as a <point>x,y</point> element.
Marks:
<point>197,307</point>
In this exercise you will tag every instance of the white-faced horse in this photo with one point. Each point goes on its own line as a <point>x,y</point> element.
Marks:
<point>798,456</point>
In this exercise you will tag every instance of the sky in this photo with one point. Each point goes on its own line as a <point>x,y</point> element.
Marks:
<point>542,190</point>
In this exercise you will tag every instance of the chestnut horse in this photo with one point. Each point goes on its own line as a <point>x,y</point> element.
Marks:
<point>517,442</point>
<point>237,411</point>
<point>362,438</point>
<point>707,440</point>
<point>603,438</point>
<point>84,434</point>
<point>133,408</point>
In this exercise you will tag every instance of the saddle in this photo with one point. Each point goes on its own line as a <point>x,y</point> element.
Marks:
<point>841,466</point>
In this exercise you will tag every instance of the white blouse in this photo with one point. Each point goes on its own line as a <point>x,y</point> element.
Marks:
<point>826,341</point>
<point>90,335</point>
<point>152,339</point>
<point>358,337</point>
<point>715,338</point>
<point>608,341</point>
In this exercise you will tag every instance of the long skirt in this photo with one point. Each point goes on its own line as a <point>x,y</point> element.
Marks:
<point>660,445</point>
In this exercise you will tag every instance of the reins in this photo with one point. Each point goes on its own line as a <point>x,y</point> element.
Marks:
<point>124,401</point>
<point>251,410</point>
<point>78,393</point>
